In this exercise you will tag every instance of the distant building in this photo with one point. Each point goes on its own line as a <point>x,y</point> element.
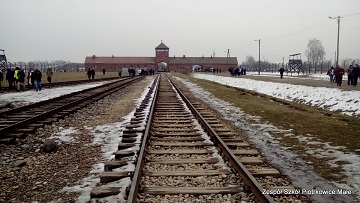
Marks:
<point>161,62</point>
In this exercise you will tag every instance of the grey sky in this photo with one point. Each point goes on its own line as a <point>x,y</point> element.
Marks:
<point>73,29</point>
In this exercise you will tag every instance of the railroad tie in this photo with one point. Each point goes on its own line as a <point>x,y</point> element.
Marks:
<point>104,191</point>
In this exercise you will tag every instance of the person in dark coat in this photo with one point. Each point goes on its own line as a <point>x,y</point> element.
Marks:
<point>338,72</point>
<point>282,70</point>
<point>350,75</point>
<point>1,78</point>
<point>120,71</point>
<point>92,73</point>
<point>89,73</point>
<point>10,78</point>
<point>21,80</point>
<point>355,74</point>
<point>37,79</point>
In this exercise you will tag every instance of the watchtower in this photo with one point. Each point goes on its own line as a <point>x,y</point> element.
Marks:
<point>162,57</point>
<point>295,63</point>
<point>3,61</point>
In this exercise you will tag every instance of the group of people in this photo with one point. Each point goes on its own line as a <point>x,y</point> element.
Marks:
<point>131,72</point>
<point>141,71</point>
<point>16,78</point>
<point>212,70</point>
<point>336,75</point>
<point>237,71</point>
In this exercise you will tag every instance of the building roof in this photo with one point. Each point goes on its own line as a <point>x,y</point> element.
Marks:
<point>120,60</point>
<point>203,60</point>
<point>162,46</point>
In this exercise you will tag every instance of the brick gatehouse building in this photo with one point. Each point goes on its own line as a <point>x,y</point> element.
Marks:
<point>161,62</point>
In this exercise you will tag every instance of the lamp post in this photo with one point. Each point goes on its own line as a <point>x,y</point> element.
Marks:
<point>259,55</point>
<point>287,68</point>
<point>338,21</point>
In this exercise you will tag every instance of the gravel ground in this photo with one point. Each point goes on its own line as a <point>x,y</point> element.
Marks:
<point>41,175</point>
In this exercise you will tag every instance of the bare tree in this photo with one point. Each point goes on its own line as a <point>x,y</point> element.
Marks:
<point>249,60</point>
<point>315,51</point>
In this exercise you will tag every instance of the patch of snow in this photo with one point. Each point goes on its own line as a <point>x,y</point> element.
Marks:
<point>28,97</point>
<point>65,134</point>
<point>332,99</point>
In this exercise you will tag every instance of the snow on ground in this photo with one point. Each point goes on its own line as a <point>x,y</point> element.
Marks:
<point>333,99</point>
<point>64,135</point>
<point>317,76</point>
<point>28,97</point>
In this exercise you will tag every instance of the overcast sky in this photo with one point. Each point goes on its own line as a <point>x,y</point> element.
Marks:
<point>73,29</point>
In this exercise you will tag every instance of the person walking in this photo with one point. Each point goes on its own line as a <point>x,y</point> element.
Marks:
<point>21,80</point>
<point>49,74</point>
<point>1,78</point>
<point>10,78</point>
<point>89,73</point>
<point>103,70</point>
<point>330,73</point>
<point>282,70</point>
<point>92,73</point>
<point>338,72</point>
<point>120,71</point>
<point>355,74</point>
<point>16,78</point>
<point>37,79</point>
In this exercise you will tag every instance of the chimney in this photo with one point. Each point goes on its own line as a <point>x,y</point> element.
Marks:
<point>93,57</point>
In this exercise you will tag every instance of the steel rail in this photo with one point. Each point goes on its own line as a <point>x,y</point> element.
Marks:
<point>89,98</point>
<point>134,188</point>
<point>235,162</point>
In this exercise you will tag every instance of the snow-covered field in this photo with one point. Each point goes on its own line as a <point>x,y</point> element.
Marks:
<point>28,97</point>
<point>333,99</point>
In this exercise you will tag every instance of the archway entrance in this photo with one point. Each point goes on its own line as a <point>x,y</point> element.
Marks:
<point>162,67</point>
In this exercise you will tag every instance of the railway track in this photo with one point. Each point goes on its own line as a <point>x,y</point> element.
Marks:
<point>176,150</point>
<point>19,122</point>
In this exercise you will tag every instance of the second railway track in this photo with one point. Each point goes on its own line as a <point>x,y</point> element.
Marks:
<point>184,153</point>
<point>19,122</point>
